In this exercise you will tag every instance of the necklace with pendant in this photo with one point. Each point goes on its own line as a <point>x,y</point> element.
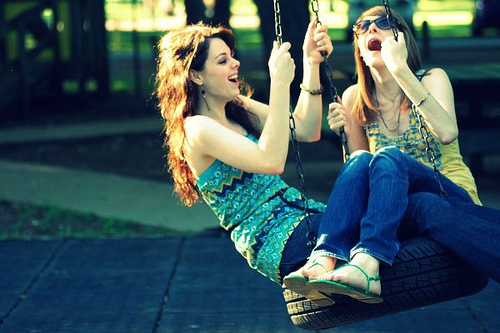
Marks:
<point>392,130</point>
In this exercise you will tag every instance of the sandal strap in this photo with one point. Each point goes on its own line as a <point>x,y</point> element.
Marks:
<point>316,264</point>
<point>368,278</point>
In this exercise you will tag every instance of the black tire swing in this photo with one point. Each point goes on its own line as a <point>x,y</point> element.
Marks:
<point>423,272</point>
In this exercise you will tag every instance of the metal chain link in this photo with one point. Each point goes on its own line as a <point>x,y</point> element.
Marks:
<point>333,90</point>
<point>277,22</point>
<point>389,16</point>
<point>311,236</point>
<point>420,119</point>
<point>430,152</point>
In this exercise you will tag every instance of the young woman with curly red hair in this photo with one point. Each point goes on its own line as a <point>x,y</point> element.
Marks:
<point>230,148</point>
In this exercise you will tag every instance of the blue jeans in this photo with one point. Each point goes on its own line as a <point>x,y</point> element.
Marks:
<point>469,231</point>
<point>378,198</point>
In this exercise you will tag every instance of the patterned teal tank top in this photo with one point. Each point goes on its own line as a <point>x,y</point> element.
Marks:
<point>261,210</point>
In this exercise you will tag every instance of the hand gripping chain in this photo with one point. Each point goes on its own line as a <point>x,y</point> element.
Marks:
<point>420,119</point>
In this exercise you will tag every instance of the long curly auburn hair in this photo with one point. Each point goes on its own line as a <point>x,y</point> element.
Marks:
<point>365,109</point>
<point>179,52</point>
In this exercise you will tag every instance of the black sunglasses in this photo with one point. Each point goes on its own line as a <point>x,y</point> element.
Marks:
<point>382,22</point>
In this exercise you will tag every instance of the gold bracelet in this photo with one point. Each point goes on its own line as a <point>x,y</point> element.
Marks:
<point>423,100</point>
<point>313,92</point>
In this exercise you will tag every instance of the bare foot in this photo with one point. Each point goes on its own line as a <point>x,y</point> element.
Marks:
<point>315,266</point>
<point>353,277</point>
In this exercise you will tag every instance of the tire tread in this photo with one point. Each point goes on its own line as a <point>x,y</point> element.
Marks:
<point>423,273</point>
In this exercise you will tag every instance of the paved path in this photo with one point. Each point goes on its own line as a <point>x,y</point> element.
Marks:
<point>108,195</point>
<point>177,285</point>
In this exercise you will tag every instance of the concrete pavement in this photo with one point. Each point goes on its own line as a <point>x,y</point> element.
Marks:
<point>178,285</point>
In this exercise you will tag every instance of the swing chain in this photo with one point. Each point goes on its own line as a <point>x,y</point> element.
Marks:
<point>333,90</point>
<point>389,16</point>
<point>311,235</point>
<point>430,152</point>
<point>315,9</point>
<point>420,119</point>
<point>277,22</point>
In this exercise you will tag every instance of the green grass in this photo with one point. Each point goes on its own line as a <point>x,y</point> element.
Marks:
<point>27,221</point>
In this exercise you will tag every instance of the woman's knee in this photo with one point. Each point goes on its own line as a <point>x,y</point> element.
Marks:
<point>356,167</point>
<point>387,158</point>
<point>360,158</point>
<point>389,151</point>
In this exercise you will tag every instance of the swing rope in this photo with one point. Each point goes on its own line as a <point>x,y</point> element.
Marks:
<point>420,119</point>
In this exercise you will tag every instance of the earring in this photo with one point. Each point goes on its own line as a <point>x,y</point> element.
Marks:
<point>205,98</point>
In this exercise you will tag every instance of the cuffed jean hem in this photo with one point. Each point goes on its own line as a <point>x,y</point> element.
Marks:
<point>324,253</point>
<point>377,256</point>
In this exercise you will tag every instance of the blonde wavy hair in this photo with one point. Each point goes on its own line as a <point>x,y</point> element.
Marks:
<point>364,107</point>
<point>179,52</point>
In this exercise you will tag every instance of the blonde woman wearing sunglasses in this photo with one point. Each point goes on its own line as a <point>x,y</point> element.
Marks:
<point>383,133</point>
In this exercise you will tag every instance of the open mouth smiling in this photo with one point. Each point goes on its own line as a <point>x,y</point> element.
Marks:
<point>374,45</point>
<point>234,78</point>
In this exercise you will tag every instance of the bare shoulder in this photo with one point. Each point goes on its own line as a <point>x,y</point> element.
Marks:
<point>351,91</point>
<point>194,123</point>
<point>437,81</point>
<point>436,74</point>
<point>349,95</point>
<point>197,127</point>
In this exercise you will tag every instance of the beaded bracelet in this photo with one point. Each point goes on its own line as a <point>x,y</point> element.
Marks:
<point>313,92</point>
<point>423,100</point>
